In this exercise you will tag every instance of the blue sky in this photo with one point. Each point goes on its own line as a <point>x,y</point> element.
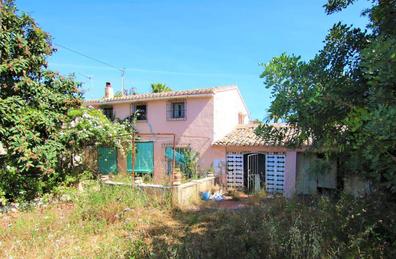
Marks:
<point>185,44</point>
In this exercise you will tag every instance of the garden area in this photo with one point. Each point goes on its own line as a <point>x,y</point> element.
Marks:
<point>103,221</point>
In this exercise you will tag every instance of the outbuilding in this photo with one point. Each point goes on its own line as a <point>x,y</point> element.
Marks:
<point>252,163</point>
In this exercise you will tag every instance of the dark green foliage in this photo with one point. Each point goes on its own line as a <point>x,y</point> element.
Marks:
<point>333,6</point>
<point>33,106</point>
<point>42,126</point>
<point>190,168</point>
<point>343,101</point>
<point>159,88</point>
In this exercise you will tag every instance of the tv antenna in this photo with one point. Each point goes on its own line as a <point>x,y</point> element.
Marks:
<point>123,80</point>
<point>89,77</point>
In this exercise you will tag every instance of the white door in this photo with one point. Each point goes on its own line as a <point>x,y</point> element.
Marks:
<point>275,172</point>
<point>235,170</point>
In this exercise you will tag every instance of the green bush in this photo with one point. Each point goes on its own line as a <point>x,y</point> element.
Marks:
<point>43,127</point>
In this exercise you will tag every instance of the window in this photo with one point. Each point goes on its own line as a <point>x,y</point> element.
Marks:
<point>176,110</point>
<point>180,156</point>
<point>108,112</point>
<point>141,112</point>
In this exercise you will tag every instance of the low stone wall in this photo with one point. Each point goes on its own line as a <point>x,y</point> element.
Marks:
<point>183,195</point>
<point>186,194</point>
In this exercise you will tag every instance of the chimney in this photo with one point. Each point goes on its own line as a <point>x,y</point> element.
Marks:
<point>109,91</point>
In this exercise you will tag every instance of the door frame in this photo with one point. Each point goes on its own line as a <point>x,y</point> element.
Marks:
<point>250,178</point>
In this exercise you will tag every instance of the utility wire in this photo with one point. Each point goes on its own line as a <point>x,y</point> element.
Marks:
<point>92,58</point>
<point>122,70</point>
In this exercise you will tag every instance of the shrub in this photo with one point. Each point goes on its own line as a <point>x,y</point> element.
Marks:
<point>300,228</point>
<point>42,125</point>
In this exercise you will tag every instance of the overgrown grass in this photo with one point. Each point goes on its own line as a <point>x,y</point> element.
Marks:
<point>120,222</point>
<point>122,177</point>
<point>301,228</point>
<point>101,222</point>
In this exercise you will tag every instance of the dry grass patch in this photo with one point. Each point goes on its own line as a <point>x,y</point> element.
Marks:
<point>108,223</point>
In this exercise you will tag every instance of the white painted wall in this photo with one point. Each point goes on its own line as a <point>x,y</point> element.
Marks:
<point>227,106</point>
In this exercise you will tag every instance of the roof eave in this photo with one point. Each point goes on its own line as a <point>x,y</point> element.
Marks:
<point>104,101</point>
<point>298,149</point>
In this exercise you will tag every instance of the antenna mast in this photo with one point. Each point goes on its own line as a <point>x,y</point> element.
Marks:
<point>123,80</point>
<point>89,77</point>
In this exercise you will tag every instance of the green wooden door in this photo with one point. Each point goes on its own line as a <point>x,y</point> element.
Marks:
<point>144,159</point>
<point>107,160</point>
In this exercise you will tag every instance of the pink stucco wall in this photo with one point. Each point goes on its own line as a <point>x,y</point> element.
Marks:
<point>208,118</point>
<point>122,110</point>
<point>196,131</point>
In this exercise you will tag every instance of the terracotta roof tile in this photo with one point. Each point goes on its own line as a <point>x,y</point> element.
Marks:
<point>164,95</point>
<point>244,135</point>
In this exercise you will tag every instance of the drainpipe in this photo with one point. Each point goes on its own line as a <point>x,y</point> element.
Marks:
<point>133,159</point>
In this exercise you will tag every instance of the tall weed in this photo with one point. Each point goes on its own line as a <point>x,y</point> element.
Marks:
<point>300,228</point>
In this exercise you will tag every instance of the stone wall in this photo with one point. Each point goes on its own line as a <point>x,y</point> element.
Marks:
<point>186,194</point>
<point>183,195</point>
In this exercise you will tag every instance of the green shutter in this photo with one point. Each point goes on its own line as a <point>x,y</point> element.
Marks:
<point>107,160</point>
<point>144,159</point>
<point>179,156</point>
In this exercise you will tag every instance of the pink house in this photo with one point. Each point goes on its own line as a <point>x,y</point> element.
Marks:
<point>213,122</point>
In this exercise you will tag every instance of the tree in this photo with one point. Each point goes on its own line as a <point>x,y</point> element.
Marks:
<point>343,101</point>
<point>118,94</point>
<point>159,88</point>
<point>36,126</point>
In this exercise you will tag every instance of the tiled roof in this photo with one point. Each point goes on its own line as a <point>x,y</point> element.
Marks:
<point>164,95</point>
<point>244,135</point>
